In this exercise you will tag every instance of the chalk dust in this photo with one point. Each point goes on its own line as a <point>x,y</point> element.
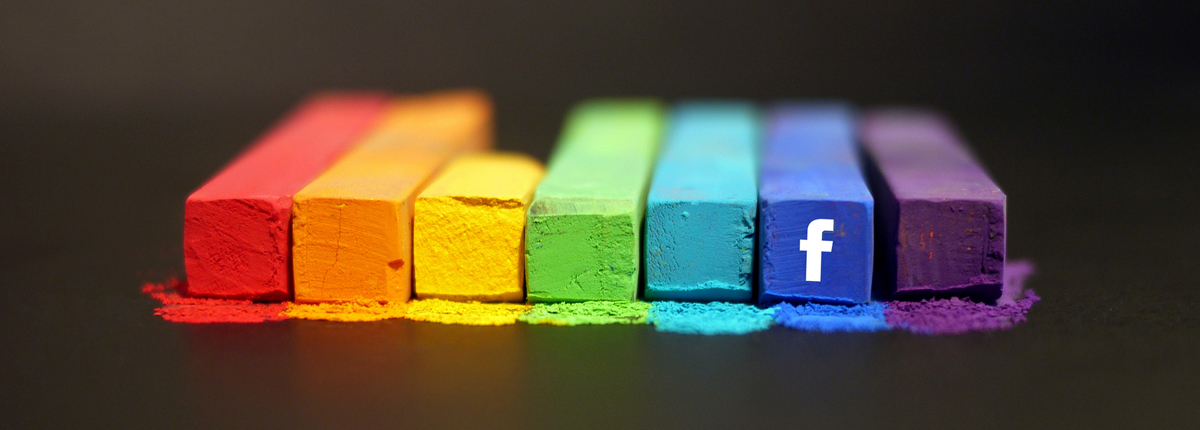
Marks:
<point>354,311</point>
<point>587,313</point>
<point>465,313</point>
<point>177,308</point>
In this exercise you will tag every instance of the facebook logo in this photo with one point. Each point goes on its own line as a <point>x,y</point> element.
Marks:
<point>814,246</point>
<point>832,263</point>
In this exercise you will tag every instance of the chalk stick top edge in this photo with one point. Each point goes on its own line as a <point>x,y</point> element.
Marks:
<point>809,134</point>
<point>583,207</point>
<point>416,136</point>
<point>709,154</point>
<point>612,127</point>
<point>464,117</point>
<point>397,176</point>
<point>921,155</point>
<point>323,127</point>
<point>419,106</point>
<point>812,188</point>
<point>499,175</point>
<point>810,153</point>
<point>606,152</point>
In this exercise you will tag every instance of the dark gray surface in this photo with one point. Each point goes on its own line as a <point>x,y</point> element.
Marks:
<point>1086,118</point>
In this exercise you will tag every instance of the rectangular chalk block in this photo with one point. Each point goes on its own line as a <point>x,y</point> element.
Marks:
<point>235,229</point>
<point>352,229</point>
<point>700,213</point>
<point>941,218</point>
<point>583,233</point>
<point>815,225</point>
<point>469,229</point>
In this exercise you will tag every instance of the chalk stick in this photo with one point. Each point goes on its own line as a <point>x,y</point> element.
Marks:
<point>816,230</point>
<point>703,200</point>
<point>235,230</point>
<point>469,228</point>
<point>461,117</point>
<point>352,229</point>
<point>583,232</point>
<point>940,218</point>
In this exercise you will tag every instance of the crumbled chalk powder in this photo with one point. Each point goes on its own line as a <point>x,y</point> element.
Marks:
<point>465,313</point>
<point>708,318</point>
<point>955,315</point>
<point>355,311</point>
<point>831,318</point>
<point>177,308</point>
<point>597,312</point>
<point>930,316</point>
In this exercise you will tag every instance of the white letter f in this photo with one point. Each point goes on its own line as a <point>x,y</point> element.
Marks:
<point>815,245</point>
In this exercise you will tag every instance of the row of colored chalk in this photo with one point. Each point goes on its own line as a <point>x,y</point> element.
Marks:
<point>801,178</point>
<point>355,198</point>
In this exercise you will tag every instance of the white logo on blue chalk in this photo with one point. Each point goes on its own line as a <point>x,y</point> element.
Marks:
<point>814,246</point>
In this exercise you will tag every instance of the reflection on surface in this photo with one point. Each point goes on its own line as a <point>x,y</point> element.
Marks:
<point>589,376</point>
<point>239,372</point>
<point>335,375</point>
<point>415,374</point>
<point>452,375</point>
<point>407,373</point>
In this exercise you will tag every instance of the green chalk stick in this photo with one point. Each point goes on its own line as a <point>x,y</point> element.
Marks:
<point>583,232</point>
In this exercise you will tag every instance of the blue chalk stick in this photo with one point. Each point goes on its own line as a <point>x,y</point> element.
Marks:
<point>701,207</point>
<point>816,231</point>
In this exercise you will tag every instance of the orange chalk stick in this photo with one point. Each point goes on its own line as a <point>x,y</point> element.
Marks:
<point>352,226</point>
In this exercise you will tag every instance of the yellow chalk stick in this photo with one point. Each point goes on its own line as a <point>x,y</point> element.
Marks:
<point>469,228</point>
<point>352,226</point>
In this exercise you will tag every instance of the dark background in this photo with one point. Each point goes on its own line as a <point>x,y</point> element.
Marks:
<point>111,112</point>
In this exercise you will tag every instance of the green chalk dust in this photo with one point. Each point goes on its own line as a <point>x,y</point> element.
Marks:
<point>584,313</point>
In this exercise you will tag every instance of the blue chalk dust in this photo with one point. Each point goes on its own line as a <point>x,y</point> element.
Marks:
<point>709,318</point>
<point>831,318</point>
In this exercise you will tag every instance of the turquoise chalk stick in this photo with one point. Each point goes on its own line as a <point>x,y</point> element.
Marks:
<point>700,213</point>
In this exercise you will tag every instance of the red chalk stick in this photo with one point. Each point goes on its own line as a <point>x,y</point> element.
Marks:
<point>236,227</point>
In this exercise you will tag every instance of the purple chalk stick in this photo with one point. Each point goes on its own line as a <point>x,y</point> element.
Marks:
<point>939,218</point>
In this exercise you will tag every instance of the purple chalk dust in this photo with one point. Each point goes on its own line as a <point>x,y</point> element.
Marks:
<point>955,315</point>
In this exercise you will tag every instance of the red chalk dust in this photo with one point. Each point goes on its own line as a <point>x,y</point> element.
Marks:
<point>178,308</point>
<point>955,315</point>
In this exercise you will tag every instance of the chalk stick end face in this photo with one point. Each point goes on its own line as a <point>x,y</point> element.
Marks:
<point>815,251</point>
<point>237,248</point>
<point>466,249</point>
<point>699,251</point>
<point>350,249</point>
<point>950,248</point>
<point>581,257</point>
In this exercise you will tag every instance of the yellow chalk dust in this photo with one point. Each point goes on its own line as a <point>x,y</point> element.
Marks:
<point>465,313</point>
<point>355,311</point>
